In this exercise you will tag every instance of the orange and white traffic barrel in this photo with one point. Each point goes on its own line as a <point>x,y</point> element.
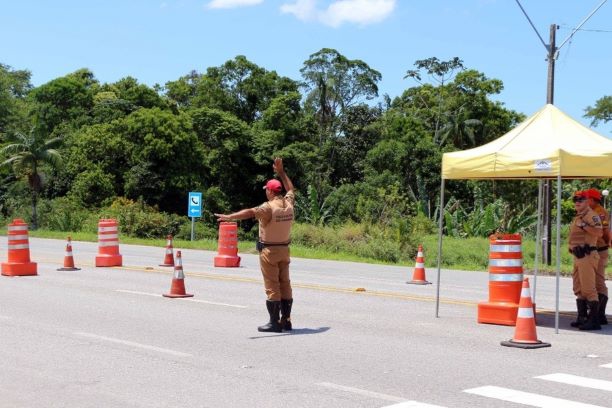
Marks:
<point>505,280</point>
<point>108,243</point>
<point>19,263</point>
<point>227,245</point>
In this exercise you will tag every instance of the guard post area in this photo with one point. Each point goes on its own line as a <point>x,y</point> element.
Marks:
<point>543,147</point>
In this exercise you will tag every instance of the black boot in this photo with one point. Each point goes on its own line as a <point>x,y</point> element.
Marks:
<point>274,310</point>
<point>592,322</point>
<point>603,301</point>
<point>285,320</point>
<point>581,305</point>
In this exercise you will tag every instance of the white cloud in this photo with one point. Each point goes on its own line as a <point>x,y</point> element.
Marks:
<point>360,12</point>
<point>305,10</point>
<point>225,4</point>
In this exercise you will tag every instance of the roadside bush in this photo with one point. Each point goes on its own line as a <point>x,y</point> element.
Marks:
<point>92,187</point>
<point>62,214</point>
<point>364,240</point>
<point>201,230</point>
<point>139,220</point>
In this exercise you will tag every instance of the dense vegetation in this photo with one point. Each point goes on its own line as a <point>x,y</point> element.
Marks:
<point>366,166</point>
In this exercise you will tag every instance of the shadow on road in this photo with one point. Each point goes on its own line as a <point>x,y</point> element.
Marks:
<point>547,319</point>
<point>293,332</point>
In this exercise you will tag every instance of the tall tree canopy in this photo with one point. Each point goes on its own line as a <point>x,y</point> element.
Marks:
<point>601,112</point>
<point>14,86</point>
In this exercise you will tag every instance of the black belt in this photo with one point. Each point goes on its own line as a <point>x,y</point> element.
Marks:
<point>603,248</point>
<point>261,245</point>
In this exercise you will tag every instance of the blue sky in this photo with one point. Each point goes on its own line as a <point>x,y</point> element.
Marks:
<point>157,41</point>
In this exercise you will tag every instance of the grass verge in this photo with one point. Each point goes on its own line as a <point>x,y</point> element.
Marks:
<point>462,254</point>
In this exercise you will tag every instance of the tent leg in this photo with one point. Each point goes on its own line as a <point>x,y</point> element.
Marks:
<point>558,252</point>
<point>536,262</point>
<point>441,225</point>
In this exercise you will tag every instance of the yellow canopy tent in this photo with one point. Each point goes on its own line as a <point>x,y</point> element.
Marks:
<point>547,145</point>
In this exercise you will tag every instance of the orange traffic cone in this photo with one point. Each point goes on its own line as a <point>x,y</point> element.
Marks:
<point>525,332</point>
<point>418,274</point>
<point>169,258</point>
<point>177,290</point>
<point>19,263</point>
<point>68,259</point>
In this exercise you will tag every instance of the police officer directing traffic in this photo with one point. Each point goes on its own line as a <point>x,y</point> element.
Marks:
<point>603,243</point>
<point>585,230</point>
<point>275,219</point>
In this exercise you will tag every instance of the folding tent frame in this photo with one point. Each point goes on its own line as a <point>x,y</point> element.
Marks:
<point>536,263</point>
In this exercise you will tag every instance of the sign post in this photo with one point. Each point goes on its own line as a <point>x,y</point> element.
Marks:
<point>194,208</point>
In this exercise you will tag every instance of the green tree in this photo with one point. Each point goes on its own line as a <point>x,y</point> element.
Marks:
<point>67,100</point>
<point>182,91</point>
<point>334,83</point>
<point>164,160</point>
<point>440,72</point>
<point>601,112</point>
<point>239,86</point>
<point>27,154</point>
<point>228,155</point>
<point>360,130</point>
<point>14,86</point>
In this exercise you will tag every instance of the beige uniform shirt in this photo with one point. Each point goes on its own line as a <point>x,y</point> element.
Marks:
<point>275,219</point>
<point>605,223</point>
<point>578,236</point>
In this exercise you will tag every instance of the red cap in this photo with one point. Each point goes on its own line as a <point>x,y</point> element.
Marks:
<point>274,186</point>
<point>581,193</point>
<point>593,193</point>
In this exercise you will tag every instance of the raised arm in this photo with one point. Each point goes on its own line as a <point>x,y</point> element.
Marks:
<point>280,170</point>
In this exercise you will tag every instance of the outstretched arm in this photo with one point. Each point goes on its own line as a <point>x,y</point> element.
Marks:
<point>280,170</point>
<point>240,215</point>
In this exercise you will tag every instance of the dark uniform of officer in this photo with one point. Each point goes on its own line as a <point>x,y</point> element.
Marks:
<point>585,229</point>
<point>275,219</point>
<point>603,243</point>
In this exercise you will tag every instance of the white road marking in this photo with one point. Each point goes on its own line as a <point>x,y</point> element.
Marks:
<point>527,398</point>
<point>213,303</point>
<point>133,344</point>
<point>135,292</point>
<point>579,381</point>
<point>413,404</point>
<point>402,401</point>
<point>606,365</point>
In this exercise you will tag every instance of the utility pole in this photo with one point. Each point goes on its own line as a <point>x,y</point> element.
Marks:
<point>550,97</point>
<point>552,54</point>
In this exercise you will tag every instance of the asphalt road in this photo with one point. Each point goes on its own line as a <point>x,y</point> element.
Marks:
<point>105,337</point>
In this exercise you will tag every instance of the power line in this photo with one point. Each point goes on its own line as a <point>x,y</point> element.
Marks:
<point>582,23</point>
<point>584,29</point>
<point>574,30</point>
<point>532,25</point>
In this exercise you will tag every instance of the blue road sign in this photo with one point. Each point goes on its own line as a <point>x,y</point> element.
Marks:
<point>194,208</point>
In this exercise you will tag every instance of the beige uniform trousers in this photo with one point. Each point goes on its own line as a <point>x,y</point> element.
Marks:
<point>583,277</point>
<point>600,277</point>
<point>274,262</point>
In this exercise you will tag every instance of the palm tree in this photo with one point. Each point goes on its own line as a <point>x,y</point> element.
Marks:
<point>26,154</point>
<point>459,130</point>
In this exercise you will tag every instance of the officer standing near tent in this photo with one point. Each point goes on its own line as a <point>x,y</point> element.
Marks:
<point>603,244</point>
<point>275,218</point>
<point>584,232</point>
